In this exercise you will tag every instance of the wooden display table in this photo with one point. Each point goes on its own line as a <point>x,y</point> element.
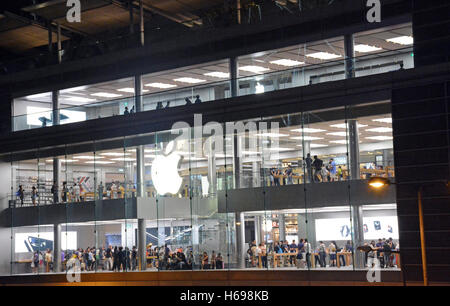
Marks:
<point>347,257</point>
<point>276,257</point>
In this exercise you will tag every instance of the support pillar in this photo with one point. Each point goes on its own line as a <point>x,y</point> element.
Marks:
<point>142,247</point>
<point>353,142</point>
<point>141,22</point>
<point>234,77</point>
<point>57,248</point>
<point>256,173</point>
<point>56,181</point>
<point>349,56</point>
<point>212,176</point>
<point>140,170</point>
<point>282,227</point>
<point>308,171</point>
<point>357,235</point>
<point>237,166</point>
<point>240,240</point>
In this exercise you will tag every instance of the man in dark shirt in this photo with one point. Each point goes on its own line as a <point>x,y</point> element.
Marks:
<point>317,164</point>
<point>308,163</point>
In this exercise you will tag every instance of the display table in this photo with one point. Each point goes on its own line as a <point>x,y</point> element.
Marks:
<point>285,256</point>
<point>347,257</point>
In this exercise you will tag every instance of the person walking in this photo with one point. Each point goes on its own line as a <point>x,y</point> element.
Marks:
<point>34,195</point>
<point>20,193</point>
<point>317,165</point>
<point>308,164</point>
<point>54,192</point>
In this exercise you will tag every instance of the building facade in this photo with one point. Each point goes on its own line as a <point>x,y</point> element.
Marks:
<point>245,148</point>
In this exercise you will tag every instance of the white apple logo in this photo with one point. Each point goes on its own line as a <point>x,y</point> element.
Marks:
<point>164,172</point>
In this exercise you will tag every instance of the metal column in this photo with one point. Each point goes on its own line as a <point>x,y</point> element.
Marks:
<point>240,240</point>
<point>237,167</point>
<point>234,77</point>
<point>353,150</point>
<point>140,170</point>
<point>212,175</point>
<point>358,234</point>
<point>142,247</point>
<point>282,227</point>
<point>57,248</point>
<point>349,56</point>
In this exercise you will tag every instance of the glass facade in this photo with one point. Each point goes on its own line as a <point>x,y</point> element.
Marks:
<point>378,51</point>
<point>281,192</point>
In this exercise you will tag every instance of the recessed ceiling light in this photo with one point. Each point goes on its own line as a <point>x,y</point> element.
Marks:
<point>323,55</point>
<point>401,40</point>
<point>218,74</point>
<point>79,99</point>
<point>344,126</point>
<point>380,137</point>
<point>380,130</point>
<point>254,69</point>
<point>73,89</point>
<point>160,85</point>
<point>308,130</point>
<point>341,134</point>
<point>88,157</point>
<point>106,95</point>
<point>37,96</point>
<point>130,90</point>
<point>189,80</point>
<point>280,149</point>
<point>100,162</point>
<point>384,120</point>
<point>287,62</point>
<point>318,145</point>
<point>342,141</point>
<point>306,138</point>
<point>114,154</point>
<point>124,159</point>
<point>366,48</point>
<point>272,135</point>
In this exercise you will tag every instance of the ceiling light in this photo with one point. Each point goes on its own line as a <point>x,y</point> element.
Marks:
<point>73,89</point>
<point>88,157</point>
<point>114,154</point>
<point>130,90</point>
<point>344,126</point>
<point>317,145</point>
<point>250,152</point>
<point>125,159</point>
<point>254,69</point>
<point>79,99</point>
<point>308,130</point>
<point>366,48</point>
<point>384,120</point>
<point>306,138</point>
<point>160,85</point>
<point>401,40</point>
<point>342,141</point>
<point>37,96</point>
<point>287,62</point>
<point>189,80</point>
<point>323,55</point>
<point>341,134</point>
<point>105,95</point>
<point>380,130</point>
<point>218,74</point>
<point>380,137</point>
<point>280,149</point>
<point>100,162</point>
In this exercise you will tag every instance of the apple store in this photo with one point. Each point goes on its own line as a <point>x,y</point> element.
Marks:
<point>235,195</point>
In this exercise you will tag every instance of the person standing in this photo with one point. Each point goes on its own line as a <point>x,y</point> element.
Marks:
<point>133,258</point>
<point>197,99</point>
<point>332,170</point>
<point>322,254</point>
<point>100,191</point>
<point>307,249</point>
<point>48,261</point>
<point>332,251</point>
<point>289,174</point>
<point>20,194</point>
<point>317,164</point>
<point>76,192</point>
<point>54,192</point>
<point>34,195</point>
<point>64,192</point>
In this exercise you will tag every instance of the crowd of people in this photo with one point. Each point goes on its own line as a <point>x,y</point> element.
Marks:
<point>159,105</point>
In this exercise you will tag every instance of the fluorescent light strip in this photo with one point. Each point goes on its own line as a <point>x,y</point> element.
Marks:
<point>323,55</point>
<point>380,130</point>
<point>130,90</point>
<point>80,99</point>
<point>100,162</point>
<point>254,69</point>
<point>106,95</point>
<point>287,62</point>
<point>401,40</point>
<point>308,130</point>
<point>344,126</point>
<point>306,138</point>
<point>272,135</point>
<point>88,157</point>
<point>361,48</point>
<point>189,80</point>
<point>64,160</point>
<point>218,74</point>
<point>380,137</point>
<point>160,85</point>
<point>114,154</point>
<point>125,159</point>
<point>384,120</point>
